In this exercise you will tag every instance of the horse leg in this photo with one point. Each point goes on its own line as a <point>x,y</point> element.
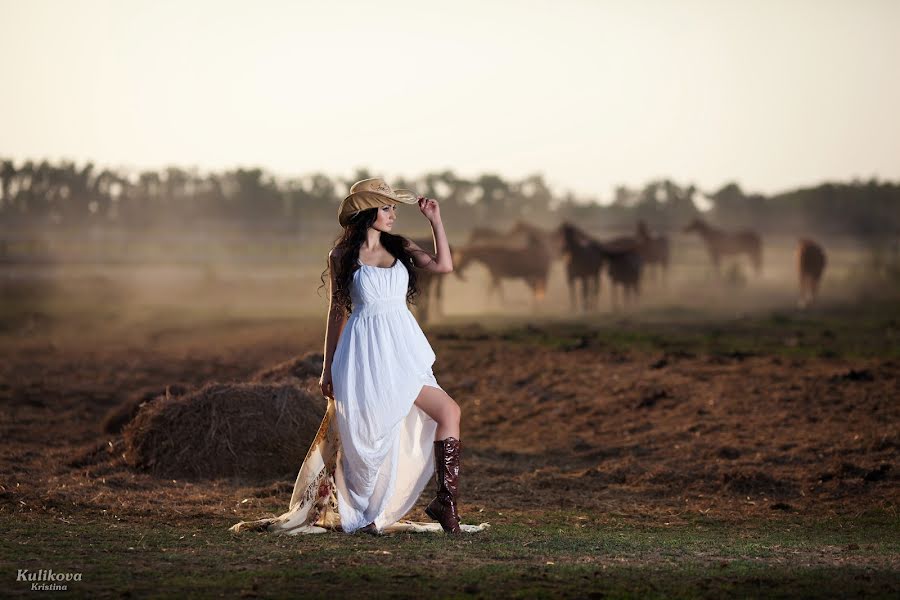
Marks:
<point>422,303</point>
<point>585,294</point>
<point>570,282</point>
<point>802,290</point>
<point>542,291</point>
<point>811,289</point>
<point>492,290</point>
<point>716,259</point>
<point>532,284</point>
<point>804,285</point>
<point>425,298</point>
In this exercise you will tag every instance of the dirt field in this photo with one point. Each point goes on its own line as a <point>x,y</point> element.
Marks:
<point>659,454</point>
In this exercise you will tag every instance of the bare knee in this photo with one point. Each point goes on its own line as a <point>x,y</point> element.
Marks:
<point>453,411</point>
<point>449,412</point>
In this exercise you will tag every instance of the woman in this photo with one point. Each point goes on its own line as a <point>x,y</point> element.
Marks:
<point>390,411</point>
<point>388,424</point>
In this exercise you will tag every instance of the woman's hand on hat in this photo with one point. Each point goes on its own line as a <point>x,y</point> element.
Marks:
<point>429,208</point>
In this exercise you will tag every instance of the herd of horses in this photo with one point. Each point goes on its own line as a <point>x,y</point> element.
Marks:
<point>527,252</point>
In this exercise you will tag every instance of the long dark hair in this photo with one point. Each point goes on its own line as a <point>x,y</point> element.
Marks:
<point>349,241</point>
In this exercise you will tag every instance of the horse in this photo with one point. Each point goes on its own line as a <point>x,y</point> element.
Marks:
<point>624,265</point>
<point>654,250</point>
<point>721,243</point>
<point>431,287</point>
<point>584,258</point>
<point>810,266</point>
<point>488,235</point>
<point>531,264</point>
<point>552,240</point>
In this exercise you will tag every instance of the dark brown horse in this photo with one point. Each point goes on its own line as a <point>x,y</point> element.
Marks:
<point>654,250</point>
<point>624,264</point>
<point>721,243</point>
<point>531,264</point>
<point>810,266</point>
<point>583,258</point>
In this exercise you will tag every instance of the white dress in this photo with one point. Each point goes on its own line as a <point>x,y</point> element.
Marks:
<point>374,451</point>
<point>380,364</point>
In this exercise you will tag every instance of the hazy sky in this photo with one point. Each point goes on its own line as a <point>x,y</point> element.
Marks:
<point>592,94</point>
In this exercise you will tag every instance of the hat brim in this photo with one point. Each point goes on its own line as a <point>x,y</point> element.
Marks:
<point>400,196</point>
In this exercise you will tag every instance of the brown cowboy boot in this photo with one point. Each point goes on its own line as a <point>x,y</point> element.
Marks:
<point>446,472</point>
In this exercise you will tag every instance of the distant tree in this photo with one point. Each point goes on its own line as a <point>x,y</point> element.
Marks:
<point>493,201</point>
<point>732,208</point>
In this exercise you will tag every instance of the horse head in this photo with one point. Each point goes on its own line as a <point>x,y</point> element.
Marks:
<point>572,237</point>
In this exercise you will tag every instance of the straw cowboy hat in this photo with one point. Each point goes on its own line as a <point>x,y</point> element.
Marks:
<point>372,193</point>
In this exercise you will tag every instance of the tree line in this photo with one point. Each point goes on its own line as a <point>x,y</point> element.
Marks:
<point>66,195</point>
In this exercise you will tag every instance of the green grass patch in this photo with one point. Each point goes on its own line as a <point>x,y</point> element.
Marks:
<point>557,554</point>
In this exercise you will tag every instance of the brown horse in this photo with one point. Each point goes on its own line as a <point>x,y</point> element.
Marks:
<point>654,250</point>
<point>721,243</point>
<point>624,264</point>
<point>810,266</point>
<point>583,257</point>
<point>489,235</point>
<point>531,264</point>
<point>552,240</point>
<point>431,287</point>
<point>517,236</point>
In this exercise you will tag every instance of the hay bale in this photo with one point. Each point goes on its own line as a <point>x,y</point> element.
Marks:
<point>118,416</point>
<point>246,430</point>
<point>300,368</point>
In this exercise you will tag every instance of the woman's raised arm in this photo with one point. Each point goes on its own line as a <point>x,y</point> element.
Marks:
<point>441,261</point>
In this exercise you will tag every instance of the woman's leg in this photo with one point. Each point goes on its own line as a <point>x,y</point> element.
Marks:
<point>439,406</point>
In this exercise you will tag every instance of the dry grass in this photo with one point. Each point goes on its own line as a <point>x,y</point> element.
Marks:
<point>247,430</point>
